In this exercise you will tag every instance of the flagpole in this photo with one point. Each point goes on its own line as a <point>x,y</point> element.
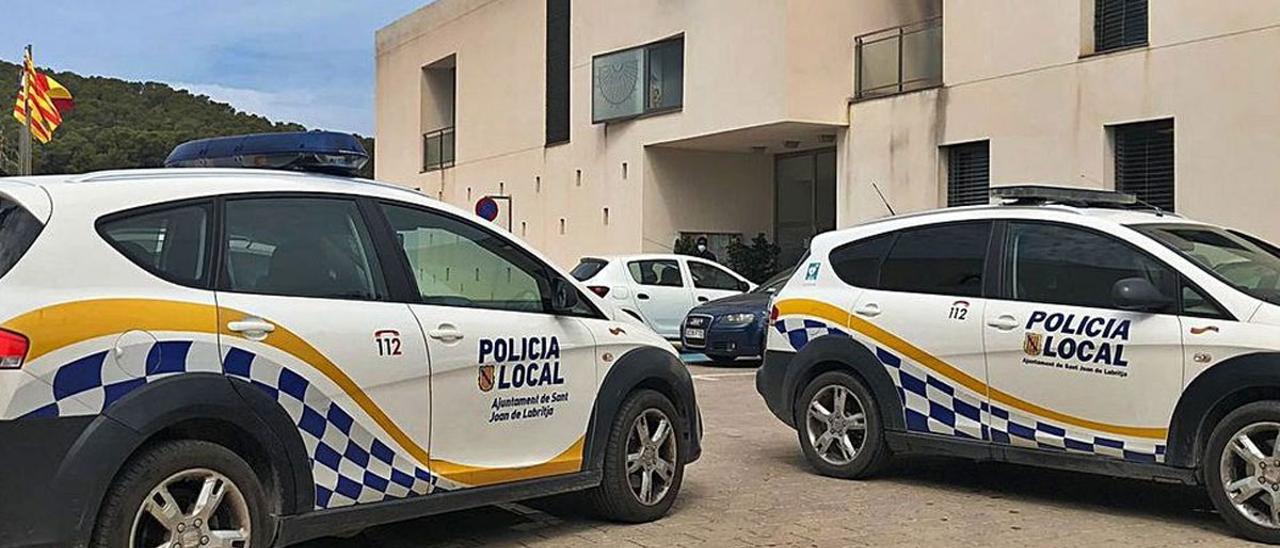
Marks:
<point>24,143</point>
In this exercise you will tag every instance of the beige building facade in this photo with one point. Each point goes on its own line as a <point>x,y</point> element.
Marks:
<point>616,126</point>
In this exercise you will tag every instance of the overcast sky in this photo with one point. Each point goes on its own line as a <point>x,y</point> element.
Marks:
<point>306,61</point>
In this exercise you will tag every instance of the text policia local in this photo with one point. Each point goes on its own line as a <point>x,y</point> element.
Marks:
<point>526,361</point>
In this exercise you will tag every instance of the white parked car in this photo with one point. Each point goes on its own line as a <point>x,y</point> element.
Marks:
<point>253,358</point>
<point>1063,329</point>
<point>659,289</point>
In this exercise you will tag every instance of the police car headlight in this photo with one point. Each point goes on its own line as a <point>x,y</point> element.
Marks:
<point>737,320</point>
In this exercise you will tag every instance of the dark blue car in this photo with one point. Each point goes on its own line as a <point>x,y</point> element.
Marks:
<point>733,327</point>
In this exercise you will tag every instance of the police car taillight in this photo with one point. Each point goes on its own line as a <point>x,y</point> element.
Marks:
<point>600,290</point>
<point>773,314</point>
<point>13,349</point>
<point>318,151</point>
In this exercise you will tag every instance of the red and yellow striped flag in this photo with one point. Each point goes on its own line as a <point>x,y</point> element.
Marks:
<point>44,98</point>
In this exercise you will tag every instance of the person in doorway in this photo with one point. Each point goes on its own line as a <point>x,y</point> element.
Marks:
<point>701,250</point>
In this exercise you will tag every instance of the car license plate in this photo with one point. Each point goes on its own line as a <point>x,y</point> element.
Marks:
<point>691,333</point>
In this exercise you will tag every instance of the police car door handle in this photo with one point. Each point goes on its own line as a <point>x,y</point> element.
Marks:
<point>445,333</point>
<point>252,328</point>
<point>868,310</point>
<point>1004,322</point>
<point>642,296</point>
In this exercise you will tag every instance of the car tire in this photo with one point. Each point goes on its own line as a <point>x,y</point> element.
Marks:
<point>1225,464</point>
<point>184,469</point>
<point>827,439</point>
<point>620,495</point>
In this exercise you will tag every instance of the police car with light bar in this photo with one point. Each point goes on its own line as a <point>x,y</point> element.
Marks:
<point>1063,328</point>
<point>236,357</point>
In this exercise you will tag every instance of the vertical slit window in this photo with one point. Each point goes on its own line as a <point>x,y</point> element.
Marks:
<point>1144,161</point>
<point>968,173</point>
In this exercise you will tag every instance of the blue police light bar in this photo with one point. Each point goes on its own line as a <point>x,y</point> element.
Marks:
<point>316,151</point>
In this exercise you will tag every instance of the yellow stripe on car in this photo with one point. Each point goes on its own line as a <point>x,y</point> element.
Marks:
<point>838,316</point>
<point>65,324</point>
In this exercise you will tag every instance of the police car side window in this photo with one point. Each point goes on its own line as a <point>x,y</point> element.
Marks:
<point>456,264</point>
<point>1056,264</point>
<point>942,260</point>
<point>661,272</point>
<point>300,247</point>
<point>172,243</point>
<point>858,263</point>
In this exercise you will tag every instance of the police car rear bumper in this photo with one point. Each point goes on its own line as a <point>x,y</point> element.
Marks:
<point>771,381</point>
<point>44,502</point>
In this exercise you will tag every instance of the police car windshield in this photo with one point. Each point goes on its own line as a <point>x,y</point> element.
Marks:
<point>1250,265</point>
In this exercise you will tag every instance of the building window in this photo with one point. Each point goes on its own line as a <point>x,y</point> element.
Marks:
<point>439,98</point>
<point>437,147</point>
<point>1144,161</point>
<point>557,71</point>
<point>1119,24</point>
<point>968,173</point>
<point>628,83</point>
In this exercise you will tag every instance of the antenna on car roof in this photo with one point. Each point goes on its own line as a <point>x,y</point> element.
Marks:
<point>882,199</point>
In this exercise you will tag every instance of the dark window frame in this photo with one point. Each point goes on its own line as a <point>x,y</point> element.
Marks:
<point>1004,288</point>
<point>1103,41</point>
<point>680,270</point>
<point>222,278</point>
<point>559,94</point>
<point>645,109</point>
<point>739,284</point>
<point>206,279</point>
<point>957,197</point>
<point>986,252</point>
<point>398,261</point>
<point>1126,177</point>
<point>891,237</point>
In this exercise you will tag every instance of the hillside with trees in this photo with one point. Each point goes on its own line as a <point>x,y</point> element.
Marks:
<point>119,124</point>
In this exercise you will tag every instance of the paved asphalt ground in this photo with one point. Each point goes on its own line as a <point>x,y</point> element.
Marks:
<point>753,488</point>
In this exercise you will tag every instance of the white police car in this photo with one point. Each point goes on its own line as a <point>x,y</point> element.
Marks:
<point>233,357</point>
<point>1062,329</point>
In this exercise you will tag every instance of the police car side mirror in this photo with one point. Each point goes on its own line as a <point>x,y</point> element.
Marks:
<point>564,297</point>
<point>1138,295</point>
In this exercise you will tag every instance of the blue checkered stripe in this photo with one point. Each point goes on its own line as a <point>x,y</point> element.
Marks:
<point>799,331</point>
<point>349,464</point>
<point>1018,429</point>
<point>932,404</point>
<point>90,384</point>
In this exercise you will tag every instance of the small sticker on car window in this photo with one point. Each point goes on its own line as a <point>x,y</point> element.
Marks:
<point>811,273</point>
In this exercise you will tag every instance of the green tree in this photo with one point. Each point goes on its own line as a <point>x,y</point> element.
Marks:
<point>119,124</point>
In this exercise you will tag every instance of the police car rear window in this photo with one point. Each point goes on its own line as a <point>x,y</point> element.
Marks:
<point>588,269</point>
<point>18,230</point>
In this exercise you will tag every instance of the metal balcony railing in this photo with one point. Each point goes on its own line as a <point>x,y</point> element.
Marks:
<point>437,149</point>
<point>899,59</point>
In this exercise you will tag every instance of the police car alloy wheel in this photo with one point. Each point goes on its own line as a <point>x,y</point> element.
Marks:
<point>839,427</point>
<point>644,460</point>
<point>213,512</point>
<point>185,494</point>
<point>836,424</point>
<point>652,456</point>
<point>1242,470</point>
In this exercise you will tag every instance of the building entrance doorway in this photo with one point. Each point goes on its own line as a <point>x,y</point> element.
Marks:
<point>805,200</point>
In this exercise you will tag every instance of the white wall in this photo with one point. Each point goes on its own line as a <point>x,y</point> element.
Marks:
<point>1014,75</point>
